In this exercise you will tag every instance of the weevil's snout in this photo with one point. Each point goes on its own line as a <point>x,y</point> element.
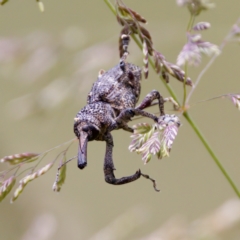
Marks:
<point>87,133</point>
<point>82,150</point>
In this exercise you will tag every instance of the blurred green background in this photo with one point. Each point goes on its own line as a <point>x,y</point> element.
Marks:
<point>48,63</point>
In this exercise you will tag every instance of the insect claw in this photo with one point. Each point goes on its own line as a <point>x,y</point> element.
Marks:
<point>151,179</point>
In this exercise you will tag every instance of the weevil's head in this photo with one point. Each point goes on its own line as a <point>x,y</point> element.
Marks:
<point>85,132</point>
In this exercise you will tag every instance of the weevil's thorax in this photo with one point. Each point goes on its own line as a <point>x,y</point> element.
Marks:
<point>118,87</point>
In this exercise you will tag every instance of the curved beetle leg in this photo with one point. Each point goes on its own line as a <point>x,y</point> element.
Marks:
<point>109,166</point>
<point>147,101</point>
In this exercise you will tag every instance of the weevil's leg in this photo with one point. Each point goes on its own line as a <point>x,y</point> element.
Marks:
<point>109,166</point>
<point>121,124</point>
<point>127,128</point>
<point>126,115</point>
<point>147,101</point>
<point>168,99</point>
<point>139,112</point>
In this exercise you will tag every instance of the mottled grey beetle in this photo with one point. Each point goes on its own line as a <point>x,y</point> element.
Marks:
<point>110,105</point>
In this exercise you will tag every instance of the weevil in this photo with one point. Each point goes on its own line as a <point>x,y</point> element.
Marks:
<point>111,104</point>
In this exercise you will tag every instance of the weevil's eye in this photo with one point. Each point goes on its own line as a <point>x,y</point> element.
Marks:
<point>92,132</point>
<point>130,75</point>
<point>122,65</point>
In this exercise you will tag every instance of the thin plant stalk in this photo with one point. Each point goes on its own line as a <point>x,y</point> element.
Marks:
<point>220,96</point>
<point>209,149</point>
<point>188,117</point>
<point>189,27</point>
<point>58,146</point>
<point>209,64</point>
<point>190,23</point>
<point>184,86</point>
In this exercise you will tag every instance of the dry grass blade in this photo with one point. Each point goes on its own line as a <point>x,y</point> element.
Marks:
<point>120,20</point>
<point>138,141</point>
<point>146,34</point>
<point>208,48</point>
<point>165,76</point>
<point>142,132</point>
<point>36,174</point>
<point>40,5</point>
<point>124,32</point>
<point>168,136</point>
<point>60,178</point>
<point>168,126</point>
<point>2,2</point>
<point>132,20</point>
<point>158,59</point>
<point>158,66</point>
<point>6,187</point>
<point>190,54</point>
<point>19,158</point>
<point>156,140</point>
<point>194,49</point>
<point>61,174</point>
<point>234,34</point>
<point>236,100</point>
<point>177,72</point>
<point>146,37</point>
<point>17,192</point>
<point>201,26</point>
<point>165,68</point>
<point>24,181</point>
<point>125,10</point>
<point>150,147</point>
<point>131,24</point>
<point>195,7</point>
<point>145,60</point>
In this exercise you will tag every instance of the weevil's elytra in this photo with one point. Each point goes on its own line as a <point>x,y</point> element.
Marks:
<point>117,88</point>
